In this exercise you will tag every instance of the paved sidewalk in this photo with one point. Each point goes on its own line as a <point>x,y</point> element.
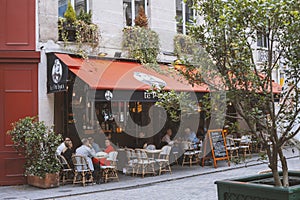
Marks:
<point>128,182</point>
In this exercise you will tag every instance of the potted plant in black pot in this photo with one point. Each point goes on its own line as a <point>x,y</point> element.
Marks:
<point>38,143</point>
<point>67,26</point>
<point>248,43</point>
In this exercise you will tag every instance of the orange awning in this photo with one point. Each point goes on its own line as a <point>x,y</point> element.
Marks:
<point>103,74</point>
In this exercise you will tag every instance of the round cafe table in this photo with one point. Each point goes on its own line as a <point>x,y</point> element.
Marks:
<point>152,153</point>
<point>101,154</point>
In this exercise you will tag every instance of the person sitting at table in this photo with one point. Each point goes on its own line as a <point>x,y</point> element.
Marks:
<point>68,152</point>
<point>62,146</point>
<point>167,138</point>
<point>109,148</point>
<point>190,136</point>
<point>94,144</point>
<point>87,151</point>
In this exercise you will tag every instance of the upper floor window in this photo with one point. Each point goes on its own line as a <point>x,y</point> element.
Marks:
<point>262,39</point>
<point>77,5</point>
<point>131,8</point>
<point>184,14</point>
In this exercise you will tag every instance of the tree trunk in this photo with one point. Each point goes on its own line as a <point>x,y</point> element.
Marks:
<point>274,167</point>
<point>285,175</point>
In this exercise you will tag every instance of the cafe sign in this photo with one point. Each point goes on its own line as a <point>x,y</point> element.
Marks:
<point>57,73</point>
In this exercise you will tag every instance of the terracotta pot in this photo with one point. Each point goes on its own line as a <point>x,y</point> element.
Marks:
<point>50,181</point>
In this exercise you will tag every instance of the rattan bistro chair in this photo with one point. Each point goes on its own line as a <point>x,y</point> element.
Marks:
<point>66,172</point>
<point>245,145</point>
<point>82,172</point>
<point>163,160</point>
<point>232,148</point>
<point>132,162</point>
<point>109,171</point>
<point>190,156</point>
<point>144,164</point>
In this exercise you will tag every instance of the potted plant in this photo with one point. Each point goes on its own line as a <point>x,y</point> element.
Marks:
<point>66,26</point>
<point>79,29</point>
<point>38,143</point>
<point>140,42</point>
<point>230,34</point>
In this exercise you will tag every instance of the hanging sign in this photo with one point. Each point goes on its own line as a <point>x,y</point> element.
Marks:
<point>57,74</point>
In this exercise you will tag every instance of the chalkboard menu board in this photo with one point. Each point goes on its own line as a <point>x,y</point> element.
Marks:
<point>217,146</point>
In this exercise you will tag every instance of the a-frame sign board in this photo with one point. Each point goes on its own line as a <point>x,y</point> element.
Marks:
<point>217,147</point>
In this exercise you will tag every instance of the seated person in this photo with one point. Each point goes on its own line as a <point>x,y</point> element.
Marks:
<point>68,152</point>
<point>94,144</point>
<point>167,138</point>
<point>62,146</point>
<point>109,148</point>
<point>191,137</point>
<point>87,151</point>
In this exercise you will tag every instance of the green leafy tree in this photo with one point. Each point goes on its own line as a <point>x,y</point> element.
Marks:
<point>228,35</point>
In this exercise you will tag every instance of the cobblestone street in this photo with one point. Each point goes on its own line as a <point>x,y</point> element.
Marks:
<point>199,187</point>
<point>184,183</point>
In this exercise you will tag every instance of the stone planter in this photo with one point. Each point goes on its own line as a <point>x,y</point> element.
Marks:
<point>50,181</point>
<point>259,187</point>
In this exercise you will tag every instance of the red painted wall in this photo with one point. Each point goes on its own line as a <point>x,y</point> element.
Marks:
<point>17,25</point>
<point>18,98</point>
<point>18,79</point>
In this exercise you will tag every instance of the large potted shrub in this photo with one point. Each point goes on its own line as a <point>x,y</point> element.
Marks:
<point>140,42</point>
<point>38,143</point>
<point>229,34</point>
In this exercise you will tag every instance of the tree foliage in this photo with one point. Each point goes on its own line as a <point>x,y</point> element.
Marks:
<point>229,34</point>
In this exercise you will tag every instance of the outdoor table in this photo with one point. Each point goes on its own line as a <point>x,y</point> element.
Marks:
<point>101,154</point>
<point>153,152</point>
<point>237,141</point>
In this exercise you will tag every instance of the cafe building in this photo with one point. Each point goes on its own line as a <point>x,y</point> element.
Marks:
<point>101,97</point>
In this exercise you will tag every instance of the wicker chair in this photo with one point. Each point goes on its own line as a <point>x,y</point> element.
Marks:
<point>163,160</point>
<point>82,172</point>
<point>190,155</point>
<point>245,145</point>
<point>66,172</point>
<point>232,148</point>
<point>132,162</point>
<point>144,164</point>
<point>109,171</point>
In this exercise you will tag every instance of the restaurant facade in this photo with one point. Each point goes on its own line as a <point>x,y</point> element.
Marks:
<point>102,98</point>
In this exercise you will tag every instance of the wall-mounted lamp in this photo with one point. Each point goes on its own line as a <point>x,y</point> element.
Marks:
<point>102,54</point>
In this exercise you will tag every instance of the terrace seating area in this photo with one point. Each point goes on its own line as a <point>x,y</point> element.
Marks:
<point>142,162</point>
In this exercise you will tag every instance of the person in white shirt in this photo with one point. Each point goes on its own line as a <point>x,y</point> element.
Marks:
<point>167,137</point>
<point>62,146</point>
<point>87,151</point>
